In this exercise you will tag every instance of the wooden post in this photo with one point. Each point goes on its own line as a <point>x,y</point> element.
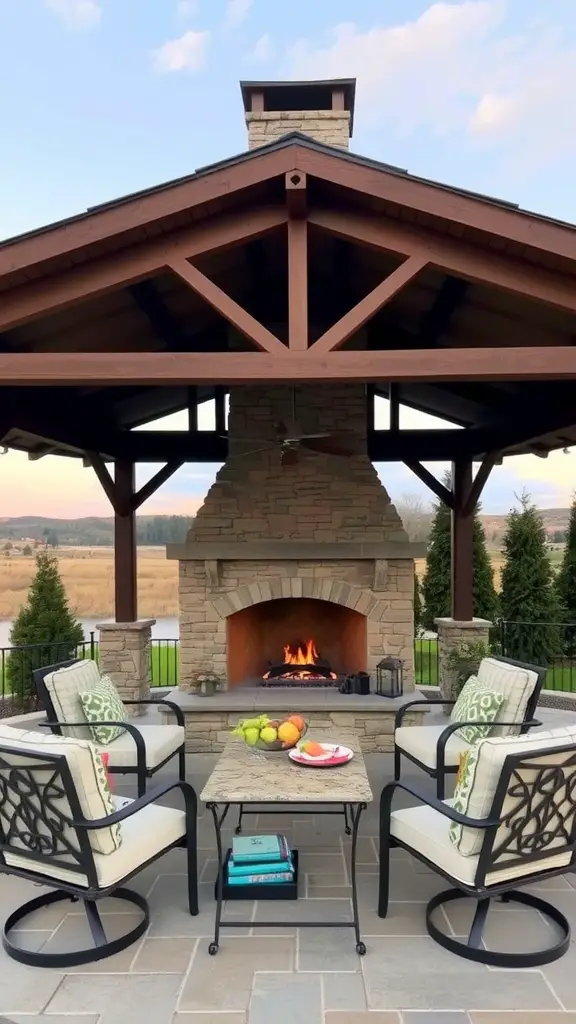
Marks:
<point>462,542</point>
<point>125,579</point>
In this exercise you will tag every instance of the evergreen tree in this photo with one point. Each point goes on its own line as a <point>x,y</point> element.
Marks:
<point>529,599</point>
<point>44,620</point>
<point>417,603</point>
<point>436,585</point>
<point>566,579</point>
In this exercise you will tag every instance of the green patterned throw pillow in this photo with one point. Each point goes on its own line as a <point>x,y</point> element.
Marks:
<point>464,784</point>
<point>101,703</point>
<point>476,704</point>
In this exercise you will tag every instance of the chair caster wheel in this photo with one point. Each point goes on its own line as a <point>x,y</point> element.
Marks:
<point>348,830</point>
<point>213,948</point>
<point>361,949</point>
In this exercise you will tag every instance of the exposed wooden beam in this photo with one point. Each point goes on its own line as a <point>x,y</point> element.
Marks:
<point>152,485</point>
<point>430,481</point>
<point>192,407</point>
<point>107,483</point>
<point>351,322</point>
<point>296,194</point>
<point>436,320</point>
<point>133,264</point>
<point>141,210</point>
<point>297,285</point>
<point>125,551</point>
<point>479,482</point>
<point>491,218</point>
<point>462,547</point>
<point>394,402</point>
<point>169,368</point>
<point>220,410</point>
<point>227,307</point>
<point>163,323</point>
<point>451,255</point>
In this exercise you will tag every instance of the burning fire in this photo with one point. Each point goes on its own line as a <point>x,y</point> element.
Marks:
<point>307,656</point>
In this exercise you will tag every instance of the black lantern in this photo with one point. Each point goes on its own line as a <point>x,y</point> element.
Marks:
<point>390,677</point>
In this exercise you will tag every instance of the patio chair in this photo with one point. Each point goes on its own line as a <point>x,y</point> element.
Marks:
<point>512,823</point>
<point>436,749</point>
<point>61,827</point>
<point>140,750</point>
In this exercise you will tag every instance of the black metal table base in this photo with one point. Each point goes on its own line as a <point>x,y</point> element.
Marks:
<point>350,812</point>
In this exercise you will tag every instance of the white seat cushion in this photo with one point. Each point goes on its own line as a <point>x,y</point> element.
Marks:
<point>88,777</point>
<point>425,831</point>
<point>144,836</point>
<point>64,687</point>
<point>420,741</point>
<point>160,740</point>
<point>516,684</point>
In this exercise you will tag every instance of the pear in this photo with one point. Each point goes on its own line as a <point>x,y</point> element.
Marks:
<point>249,723</point>
<point>251,736</point>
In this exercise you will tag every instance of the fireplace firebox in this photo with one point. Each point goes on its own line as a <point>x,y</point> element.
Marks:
<point>288,641</point>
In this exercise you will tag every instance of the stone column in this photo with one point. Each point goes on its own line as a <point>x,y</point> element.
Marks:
<point>124,655</point>
<point>450,633</point>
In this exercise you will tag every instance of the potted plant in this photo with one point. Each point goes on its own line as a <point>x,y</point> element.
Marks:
<point>206,684</point>
<point>458,664</point>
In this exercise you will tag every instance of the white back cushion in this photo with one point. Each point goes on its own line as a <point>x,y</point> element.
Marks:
<point>65,686</point>
<point>517,685</point>
<point>489,757</point>
<point>88,776</point>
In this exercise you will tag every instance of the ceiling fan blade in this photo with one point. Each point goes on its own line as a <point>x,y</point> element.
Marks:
<point>327,446</point>
<point>289,457</point>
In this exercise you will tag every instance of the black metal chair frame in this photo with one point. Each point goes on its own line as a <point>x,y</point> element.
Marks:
<point>549,781</point>
<point>40,837</point>
<point>141,770</point>
<point>442,769</point>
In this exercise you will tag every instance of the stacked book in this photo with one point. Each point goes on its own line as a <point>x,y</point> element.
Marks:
<point>260,860</point>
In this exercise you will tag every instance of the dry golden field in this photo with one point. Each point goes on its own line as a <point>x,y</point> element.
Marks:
<point>88,576</point>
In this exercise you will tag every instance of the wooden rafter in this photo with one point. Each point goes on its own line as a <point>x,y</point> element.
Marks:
<point>296,186</point>
<point>351,322</point>
<point>453,256</point>
<point>83,282</point>
<point>152,485</point>
<point>297,284</point>
<point>430,481</point>
<point>163,323</point>
<point>108,484</point>
<point>436,320</point>
<point>177,368</point>
<point>479,482</point>
<point>227,307</point>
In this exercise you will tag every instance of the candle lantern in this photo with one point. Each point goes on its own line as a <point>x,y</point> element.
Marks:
<point>390,677</point>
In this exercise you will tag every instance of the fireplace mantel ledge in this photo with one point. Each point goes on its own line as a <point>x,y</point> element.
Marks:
<point>287,550</point>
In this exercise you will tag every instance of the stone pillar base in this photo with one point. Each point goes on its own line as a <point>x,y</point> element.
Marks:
<point>450,633</point>
<point>125,656</point>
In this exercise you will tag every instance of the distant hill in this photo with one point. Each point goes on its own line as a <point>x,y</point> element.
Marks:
<point>93,531</point>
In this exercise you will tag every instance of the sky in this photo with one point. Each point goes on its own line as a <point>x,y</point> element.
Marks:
<point>99,98</point>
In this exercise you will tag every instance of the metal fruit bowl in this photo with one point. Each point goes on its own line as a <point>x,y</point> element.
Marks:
<point>278,745</point>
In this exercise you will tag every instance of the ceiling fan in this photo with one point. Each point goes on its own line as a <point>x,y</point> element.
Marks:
<point>290,441</point>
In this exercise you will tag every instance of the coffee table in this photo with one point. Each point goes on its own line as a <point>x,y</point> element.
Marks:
<point>247,777</point>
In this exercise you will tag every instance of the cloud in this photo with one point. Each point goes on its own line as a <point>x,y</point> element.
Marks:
<point>76,14</point>
<point>264,49</point>
<point>187,53</point>
<point>236,12</point>
<point>187,8</point>
<point>457,68</point>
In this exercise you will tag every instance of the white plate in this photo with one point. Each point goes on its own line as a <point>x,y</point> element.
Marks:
<point>332,750</point>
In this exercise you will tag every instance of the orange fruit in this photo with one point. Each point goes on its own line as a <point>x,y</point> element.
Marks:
<point>312,748</point>
<point>298,721</point>
<point>288,734</point>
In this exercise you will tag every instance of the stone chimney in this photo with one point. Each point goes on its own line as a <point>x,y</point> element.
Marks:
<point>322,110</point>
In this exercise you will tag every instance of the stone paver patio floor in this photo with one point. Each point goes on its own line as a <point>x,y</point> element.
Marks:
<point>285,975</point>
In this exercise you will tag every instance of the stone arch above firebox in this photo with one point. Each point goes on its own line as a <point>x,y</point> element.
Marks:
<point>335,591</point>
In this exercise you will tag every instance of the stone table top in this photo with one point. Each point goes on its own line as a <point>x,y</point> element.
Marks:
<point>245,775</point>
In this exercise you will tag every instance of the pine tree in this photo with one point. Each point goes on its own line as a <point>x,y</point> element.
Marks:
<point>529,599</point>
<point>44,620</point>
<point>436,585</point>
<point>566,579</point>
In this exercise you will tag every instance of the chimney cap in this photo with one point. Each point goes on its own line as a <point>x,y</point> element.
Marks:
<point>308,95</point>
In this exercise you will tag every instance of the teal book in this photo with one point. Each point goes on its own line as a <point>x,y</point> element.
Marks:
<point>263,868</point>
<point>259,849</point>
<point>273,878</point>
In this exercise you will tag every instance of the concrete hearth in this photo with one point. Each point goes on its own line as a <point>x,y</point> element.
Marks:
<point>210,719</point>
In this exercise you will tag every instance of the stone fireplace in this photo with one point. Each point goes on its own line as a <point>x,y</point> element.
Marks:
<point>283,554</point>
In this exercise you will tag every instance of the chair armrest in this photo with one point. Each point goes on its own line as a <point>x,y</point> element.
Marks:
<point>136,805</point>
<point>175,708</point>
<point>412,703</point>
<point>432,801</point>
<point>132,729</point>
<point>454,726</point>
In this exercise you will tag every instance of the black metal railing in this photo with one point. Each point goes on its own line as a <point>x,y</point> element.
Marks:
<point>550,644</point>
<point>164,663</point>
<point>426,669</point>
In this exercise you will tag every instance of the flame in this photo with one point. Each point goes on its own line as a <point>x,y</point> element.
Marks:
<point>303,654</point>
